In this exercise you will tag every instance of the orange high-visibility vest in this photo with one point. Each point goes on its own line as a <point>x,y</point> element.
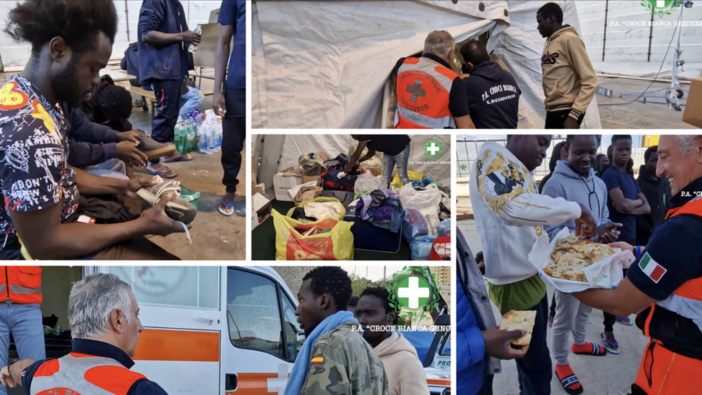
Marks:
<point>662,371</point>
<point>21,284</point>
<point>423,92</point>
<point>81,374</point>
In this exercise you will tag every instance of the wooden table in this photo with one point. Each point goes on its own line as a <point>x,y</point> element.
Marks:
<point>117,75</point>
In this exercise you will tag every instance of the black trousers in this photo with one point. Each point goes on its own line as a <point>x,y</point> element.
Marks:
<point>555,119</point>
<point>233,136</point>
<point>535,369</point>
<point>168,94</point>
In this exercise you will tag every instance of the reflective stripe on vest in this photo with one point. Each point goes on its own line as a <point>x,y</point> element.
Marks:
<point>686,300</point>
<point>24,284</point>
<point>423,92</point>
<point>78,374</point>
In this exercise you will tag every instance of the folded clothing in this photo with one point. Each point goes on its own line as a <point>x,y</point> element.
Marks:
<point>299,213</point>
<point>322,210</point>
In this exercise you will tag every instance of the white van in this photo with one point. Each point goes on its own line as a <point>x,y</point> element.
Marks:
<point>207,329</point>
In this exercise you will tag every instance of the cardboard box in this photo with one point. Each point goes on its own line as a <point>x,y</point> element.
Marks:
<point>261,209</point>
<point>284,181</point>
<point>206,51</point>
<point>260,188</point>
<point>693,108</point>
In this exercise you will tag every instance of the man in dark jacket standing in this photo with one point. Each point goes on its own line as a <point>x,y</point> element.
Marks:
<point>658,195</point>
<point>493,93</point>
<point>164,61</point>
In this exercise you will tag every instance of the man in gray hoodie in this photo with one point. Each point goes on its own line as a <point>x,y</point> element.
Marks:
<point>575,180</point>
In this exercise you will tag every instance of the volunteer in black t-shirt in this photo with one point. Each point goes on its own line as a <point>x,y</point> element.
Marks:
<point>491,91</point>
<point>395,149</point>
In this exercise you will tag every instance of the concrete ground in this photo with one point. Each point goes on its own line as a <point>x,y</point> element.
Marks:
<point>608,375</point>
<point>214,236</point>
<point>638,115</point>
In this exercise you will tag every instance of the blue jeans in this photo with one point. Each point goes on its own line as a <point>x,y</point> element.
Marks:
<point>535,369</point>
<point>24,321</point>
<point>401,160</point>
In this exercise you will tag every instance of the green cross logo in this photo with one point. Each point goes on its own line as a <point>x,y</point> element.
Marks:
<point>659,7</point>
<point>433,148</point>
<point>413,292</point>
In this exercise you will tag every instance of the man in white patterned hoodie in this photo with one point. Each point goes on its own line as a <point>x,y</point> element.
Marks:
<point>510,214</point>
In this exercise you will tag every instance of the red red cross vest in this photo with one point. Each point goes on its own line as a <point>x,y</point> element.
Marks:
<point>21,284</point>
<point>672,361</point>
<point>423,92</point>
<point>81,374</point>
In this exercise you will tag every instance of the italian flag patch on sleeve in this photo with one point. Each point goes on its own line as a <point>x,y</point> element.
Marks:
<point>651,268</point>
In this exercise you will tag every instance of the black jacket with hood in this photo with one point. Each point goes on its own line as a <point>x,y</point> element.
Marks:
<point>658,194</point>
<point>493,97</point>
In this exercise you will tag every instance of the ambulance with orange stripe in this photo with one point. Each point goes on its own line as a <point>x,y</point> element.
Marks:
<point>207,329</point>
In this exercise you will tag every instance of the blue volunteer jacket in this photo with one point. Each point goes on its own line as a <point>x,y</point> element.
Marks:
<point>170,62</point>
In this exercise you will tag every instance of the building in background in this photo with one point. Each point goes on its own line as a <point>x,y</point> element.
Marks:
<point>443,275</point>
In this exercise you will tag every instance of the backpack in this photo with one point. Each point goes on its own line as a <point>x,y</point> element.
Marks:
<point>331,181</point>
<point>130,63</point>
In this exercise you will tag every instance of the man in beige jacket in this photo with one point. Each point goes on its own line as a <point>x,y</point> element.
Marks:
<point>402,366</point>
<point>569,80</point>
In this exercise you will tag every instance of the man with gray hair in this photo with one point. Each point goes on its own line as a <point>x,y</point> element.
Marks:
<point>105,326</point>
<point>430,95</point>
<point>665,280</point>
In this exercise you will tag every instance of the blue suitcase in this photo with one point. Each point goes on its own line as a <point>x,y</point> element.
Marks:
<point>369,237</point>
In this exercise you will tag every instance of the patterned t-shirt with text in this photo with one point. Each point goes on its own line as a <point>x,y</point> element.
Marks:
<point>34,172</point>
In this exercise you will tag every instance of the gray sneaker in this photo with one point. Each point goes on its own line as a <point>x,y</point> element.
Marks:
<point>177,209</point>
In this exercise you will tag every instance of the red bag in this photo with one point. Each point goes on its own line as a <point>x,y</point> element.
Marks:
<point>443,245</point>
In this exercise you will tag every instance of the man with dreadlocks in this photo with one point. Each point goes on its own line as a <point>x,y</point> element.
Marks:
<point>334,358</point>
<point>404,370</point>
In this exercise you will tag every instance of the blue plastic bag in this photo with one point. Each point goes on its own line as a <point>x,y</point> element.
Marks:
<point>414,225</point>
<point>444,228</point>
<point>420,248</point>
<point>192,98</point>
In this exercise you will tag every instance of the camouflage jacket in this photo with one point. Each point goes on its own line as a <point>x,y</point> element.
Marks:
<point>343,363</point>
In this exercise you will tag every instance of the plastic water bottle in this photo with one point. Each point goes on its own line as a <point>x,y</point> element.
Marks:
<point>202,138</point>
<point>178,136</point>
<point>211,137</point>
<point>198,30</point>
<point>218,134</point>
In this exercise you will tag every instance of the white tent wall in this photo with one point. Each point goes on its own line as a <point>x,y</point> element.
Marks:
<point>520,46</point>
<point>17,54</point>
<point>279,152</point>
<point>333,73</point>
<point>626,51</point>
<point>324,64</point>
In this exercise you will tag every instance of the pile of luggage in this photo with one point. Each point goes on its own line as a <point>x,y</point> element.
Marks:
<point>337,212</point>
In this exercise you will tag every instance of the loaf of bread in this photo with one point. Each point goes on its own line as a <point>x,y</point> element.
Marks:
<point>572,255</point>
<point>523,320</point>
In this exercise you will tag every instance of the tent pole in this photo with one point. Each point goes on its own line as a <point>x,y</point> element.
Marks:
<point>604,39</point>
<point>650,36</point>
<point>126,17</point>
